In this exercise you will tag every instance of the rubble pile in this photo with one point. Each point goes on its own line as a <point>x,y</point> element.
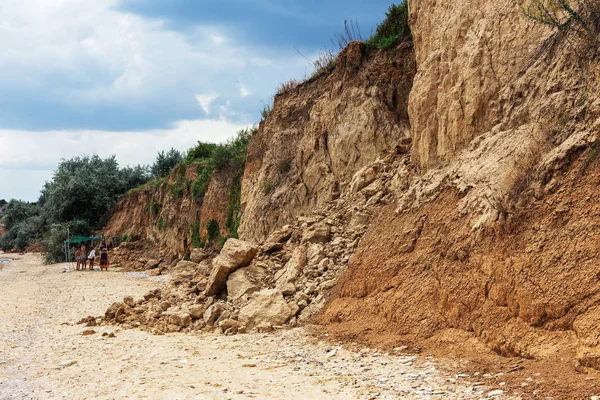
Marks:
<point>282,282</point>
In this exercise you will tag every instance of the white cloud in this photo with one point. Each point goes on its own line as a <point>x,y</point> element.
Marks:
<point>244,91</point>
<point>28,158</point>
<point>205,101</point>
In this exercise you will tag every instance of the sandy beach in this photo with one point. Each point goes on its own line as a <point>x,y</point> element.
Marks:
<point>43,354</point>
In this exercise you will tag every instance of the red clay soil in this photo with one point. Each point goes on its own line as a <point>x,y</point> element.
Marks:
<point>527,288</point>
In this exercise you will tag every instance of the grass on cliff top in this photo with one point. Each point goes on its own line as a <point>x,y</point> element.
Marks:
<point>388,33</point>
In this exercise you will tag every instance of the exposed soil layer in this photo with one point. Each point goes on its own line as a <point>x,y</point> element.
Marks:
<point>527,287</point>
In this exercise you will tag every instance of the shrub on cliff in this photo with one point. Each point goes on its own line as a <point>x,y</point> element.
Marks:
<point>393,28</point>
<point>576,20</point>
<point>165,162</point>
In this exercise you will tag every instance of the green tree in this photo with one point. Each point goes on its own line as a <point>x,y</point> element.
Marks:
<point>165,162</point>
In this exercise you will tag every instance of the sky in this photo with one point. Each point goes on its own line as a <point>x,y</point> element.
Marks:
<point>133,77</point>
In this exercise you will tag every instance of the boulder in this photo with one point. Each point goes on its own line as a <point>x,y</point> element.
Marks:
<point>184,271</point>
<point>212,313</point>
<point>373,189</point>
<point>266,307</point>
<point>318,233</point>
<point>292,269</point>
<point>235,254</point>
<point>198,255</point>
<point>281,235</point>
<point>364,177</point>
<point>197,311</point>
<point>244,282</point>
<point>112,310</point>
<point>152,264</point>
<point>179,319</point>
<point>230,323</point>
<point>315,254</point>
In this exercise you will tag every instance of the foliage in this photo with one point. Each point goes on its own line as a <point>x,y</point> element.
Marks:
<point>287,86</point>
<point>77,199</point>
<point>265,111</point>
<point>122,238</point>
<point>268,187</point>
<point>197,241</point>
<point>578,18</point>
<point>156,208</point>
<point>212,230</point>
<point>165,162</point>
<point>234,212</point>
<point>325,62</point>
<point>393,28</point>
<point>87,188</point>
<point>351,33</point>
<point>285,166</point>
<point>160,224</point>
<point>176,189</point>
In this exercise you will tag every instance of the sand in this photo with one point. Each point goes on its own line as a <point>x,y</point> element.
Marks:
<point>43,354</point>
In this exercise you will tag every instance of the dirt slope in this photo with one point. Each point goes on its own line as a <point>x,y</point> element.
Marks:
<point>162,220</point>
<point>322,132</point>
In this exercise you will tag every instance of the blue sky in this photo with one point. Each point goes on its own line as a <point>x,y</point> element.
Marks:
<point>132,77</point>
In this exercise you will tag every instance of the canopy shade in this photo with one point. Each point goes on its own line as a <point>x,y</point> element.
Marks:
<point>82,239</point>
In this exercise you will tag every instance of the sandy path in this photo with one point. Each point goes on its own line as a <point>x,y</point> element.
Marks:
<point>39,306</point>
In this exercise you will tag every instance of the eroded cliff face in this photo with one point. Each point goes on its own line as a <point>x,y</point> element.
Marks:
<point>494,235</point>
<point>322,132</point>
<point>164,215</point>
<point>466,53</point>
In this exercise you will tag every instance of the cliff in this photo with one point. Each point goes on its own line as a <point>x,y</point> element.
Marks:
<point>166,218</point>
<point>322,132</point>
<point>483,231</point>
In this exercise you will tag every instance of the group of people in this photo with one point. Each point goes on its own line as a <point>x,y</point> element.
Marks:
<point>82,257</point>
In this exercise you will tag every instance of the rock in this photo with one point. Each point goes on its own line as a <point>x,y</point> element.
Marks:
<point>315,254</point>
<point>198,255</point>
<point>364,177</point>
<point>66,364</point>
<point>294,308</point>
<point>212,314</point>
<point>155,272</point>
<point>197,311</point>
<point>235,254</point>
<point>129,301</point>
<point>281,235</point>
<point>112,310</point>
<point>184,271</point>
<point>318,233</point>
<point>292,269</point>
<point>266,307</point>
<point>328,284</point>
<point>495,393</point>
<point>372,189</point>
<point>242,282</point>
<point>178,319</point>
<point>264,328</point>
<point>230,323</point>
<point>288,289</point>
<point>323,265</point>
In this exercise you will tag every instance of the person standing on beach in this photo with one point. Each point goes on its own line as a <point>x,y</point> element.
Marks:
<point>103,256</point>
<point>84,256</point>
<point>77,259</point>
<point>91,257</point>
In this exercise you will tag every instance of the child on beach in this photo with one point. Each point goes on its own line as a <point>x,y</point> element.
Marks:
<point>91,257</point>
<point>84,256</point>
<point>77,259</point>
